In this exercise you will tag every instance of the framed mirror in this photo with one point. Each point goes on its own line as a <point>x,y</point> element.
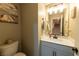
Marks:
<point>56,24</point>
<point>56,18</point>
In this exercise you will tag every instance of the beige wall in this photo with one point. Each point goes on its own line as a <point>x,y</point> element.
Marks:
<point>76,31</point>
<point>10,30</point>
<point>74,26</point>
<point>29,15</point>
<point>41,11</point>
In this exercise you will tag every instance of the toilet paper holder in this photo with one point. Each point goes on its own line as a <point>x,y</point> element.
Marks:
<point>75,50</point>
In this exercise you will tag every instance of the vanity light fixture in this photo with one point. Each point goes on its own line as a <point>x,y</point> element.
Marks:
<point>57,9</point>
<point>50,11</point>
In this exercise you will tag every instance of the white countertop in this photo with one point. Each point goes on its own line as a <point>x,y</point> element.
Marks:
<point>67,41</point>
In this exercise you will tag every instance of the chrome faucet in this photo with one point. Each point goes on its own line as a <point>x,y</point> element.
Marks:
<point>55,36</point>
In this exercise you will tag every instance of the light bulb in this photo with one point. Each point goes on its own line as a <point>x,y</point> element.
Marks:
<point>50,11</point>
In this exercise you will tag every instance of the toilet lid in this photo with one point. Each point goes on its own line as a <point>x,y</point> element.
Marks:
<point>19,54</point>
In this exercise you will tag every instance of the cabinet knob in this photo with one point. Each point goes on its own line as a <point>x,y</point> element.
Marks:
<point>54,53</point>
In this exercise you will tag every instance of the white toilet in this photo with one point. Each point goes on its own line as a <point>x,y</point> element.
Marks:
<point>10,49</point>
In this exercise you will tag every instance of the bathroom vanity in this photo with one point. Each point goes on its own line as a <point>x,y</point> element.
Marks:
<point>56,39</point>
<point>57,47</point>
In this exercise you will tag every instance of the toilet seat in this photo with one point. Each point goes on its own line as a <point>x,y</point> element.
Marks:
<point>19,54</point>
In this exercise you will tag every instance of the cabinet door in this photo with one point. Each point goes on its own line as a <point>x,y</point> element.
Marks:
<point>46,51</point>
<point>62,53</point>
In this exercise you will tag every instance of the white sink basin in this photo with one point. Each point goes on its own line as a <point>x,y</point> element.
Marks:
<point>60,40</point>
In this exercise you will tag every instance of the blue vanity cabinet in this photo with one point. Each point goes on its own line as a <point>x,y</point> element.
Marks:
<point>53,49</point>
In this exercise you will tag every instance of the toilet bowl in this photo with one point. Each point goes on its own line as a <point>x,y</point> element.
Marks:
<point>10,48</point>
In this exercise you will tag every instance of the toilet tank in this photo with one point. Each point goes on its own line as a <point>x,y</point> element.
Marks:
<point>9,49</point>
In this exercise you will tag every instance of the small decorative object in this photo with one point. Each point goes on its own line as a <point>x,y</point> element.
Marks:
<point>8,13</point>
<point>73,12</point>
<point>43,25</point>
